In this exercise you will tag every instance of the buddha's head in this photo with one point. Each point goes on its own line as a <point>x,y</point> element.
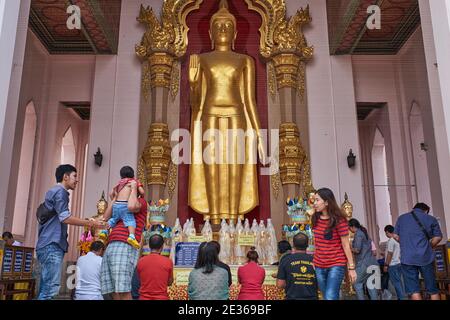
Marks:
<point>347,207</point>
<point>102,204</point>
<point>222,27</point>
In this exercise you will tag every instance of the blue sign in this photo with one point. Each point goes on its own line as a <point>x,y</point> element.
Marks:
<point>18,261</point>
<point>440,264</point>
<point>28,261</point>
<point>7,260</point>
<point>186,253</point>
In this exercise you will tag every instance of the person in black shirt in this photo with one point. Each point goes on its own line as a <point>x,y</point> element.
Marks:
<point>296,272</point>
<point>222,265</point>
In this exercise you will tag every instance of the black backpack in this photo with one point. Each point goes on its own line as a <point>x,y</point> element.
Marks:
<point>43,214</point>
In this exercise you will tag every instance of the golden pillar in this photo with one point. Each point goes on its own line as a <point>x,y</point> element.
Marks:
<point>286,51</point>
<point>163,44</point>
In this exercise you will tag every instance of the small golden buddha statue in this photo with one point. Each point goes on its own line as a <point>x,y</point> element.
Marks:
<point>347,207</point>
<point>223,180</point>
<point>102,204</point>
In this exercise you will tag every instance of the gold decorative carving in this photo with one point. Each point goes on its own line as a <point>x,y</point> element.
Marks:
<point>272,81</point>
<point>160,69</point>
<point>276,185</point>
<point>294,162</point>
<point>172,181</point>
<point>175,80</point>
<point>156,156</point>
<point>163,42</point>
<point>286,69</point>
<point>290,153</point>
<point>141,171</point>
<point>301,81</point>
<point>283,41</point>
<point>169,35</point>
<point>279,35</point>
<point>306,176</point>
<point>145,81</point>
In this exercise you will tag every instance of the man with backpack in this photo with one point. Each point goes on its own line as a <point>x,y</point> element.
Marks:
<point>54,216</point>
<point>418,234</point>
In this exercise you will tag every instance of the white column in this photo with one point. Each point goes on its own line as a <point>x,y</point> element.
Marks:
<point>13,34</point>
<point>440,18</point>
<point>435,17</point>
<point>102,107</point>
<point>346,121</point>
<point>125,122</point>
<point>321,113</point>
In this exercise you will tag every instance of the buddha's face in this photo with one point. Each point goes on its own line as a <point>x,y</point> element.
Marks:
<point>223,31</point>
<point>347,209</point>
<point>101,207</point>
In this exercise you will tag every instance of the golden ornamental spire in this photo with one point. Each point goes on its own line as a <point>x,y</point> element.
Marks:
<point>280,34</point>
<point>164,41</point>
<point>169,33</point>
<point>223,4</point>
<point>223,13</point>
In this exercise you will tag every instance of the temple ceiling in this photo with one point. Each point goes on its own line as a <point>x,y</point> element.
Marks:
<point>99,26</point>
<point>349,34</point>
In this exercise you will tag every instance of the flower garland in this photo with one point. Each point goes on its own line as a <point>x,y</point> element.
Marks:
<point>84,244</point>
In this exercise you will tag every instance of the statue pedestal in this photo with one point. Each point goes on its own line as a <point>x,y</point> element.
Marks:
<point>215,228</point>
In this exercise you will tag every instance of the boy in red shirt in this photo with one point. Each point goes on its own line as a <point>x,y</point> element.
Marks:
<point>155,272</point>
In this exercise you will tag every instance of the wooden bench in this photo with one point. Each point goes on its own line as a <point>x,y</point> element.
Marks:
<point>18,289</point>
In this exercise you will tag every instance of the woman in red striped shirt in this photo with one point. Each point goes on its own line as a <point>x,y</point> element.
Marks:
<point>332,245</point>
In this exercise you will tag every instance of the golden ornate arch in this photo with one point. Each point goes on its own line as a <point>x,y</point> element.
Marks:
<point>284,45</point>
<point>169,34</point>
<point>278,34</point>
<point>164,41</point>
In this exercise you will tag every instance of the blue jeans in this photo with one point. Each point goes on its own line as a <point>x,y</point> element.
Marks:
<point>329,281</point>
<point>120,212</point>
<point>50,258</point>
<point>395,275</point>
<point>411,278</point>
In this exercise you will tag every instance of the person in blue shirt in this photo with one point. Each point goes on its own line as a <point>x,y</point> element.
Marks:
<point>52,235</point>
<point>418,233</point>
<point>367,267</point>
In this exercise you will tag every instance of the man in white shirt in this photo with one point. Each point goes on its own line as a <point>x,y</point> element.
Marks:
<point>392,263</point>
<point>88,274</point>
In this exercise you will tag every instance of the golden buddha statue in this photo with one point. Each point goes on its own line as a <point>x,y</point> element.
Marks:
<point>102,204</point>
<point>347,207</point>
<point>223,178</point>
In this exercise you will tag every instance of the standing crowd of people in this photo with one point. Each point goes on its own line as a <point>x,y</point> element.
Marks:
<point>117,271</point>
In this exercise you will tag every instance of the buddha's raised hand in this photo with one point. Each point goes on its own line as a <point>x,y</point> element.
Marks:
<point>194,68</point>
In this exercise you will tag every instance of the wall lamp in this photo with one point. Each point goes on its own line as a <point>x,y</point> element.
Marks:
<point>351,159</point>
<point>98,158</point>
